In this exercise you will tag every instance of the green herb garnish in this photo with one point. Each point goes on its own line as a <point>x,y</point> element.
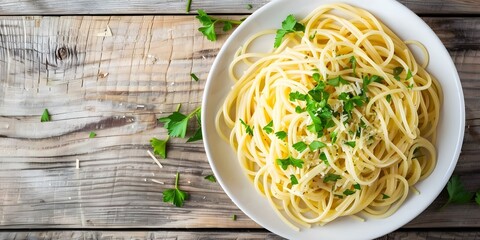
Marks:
<point>385,196</point>
<point>159,146</point>
<point>268,128</point>
<point>353,61</point>
<point>409,74</point>
<point>284,163</point>
<point>177,123</point>
<point>300,146</point>
<point>248,128</point>
<point>396,73</point>
<point>92,135</point>
<point>388,98</point>
<point>456,192</point>
<point>323,157</point>
<point>357,186</point>
<point>348,192</point>
<point>194,77</point>
<point>281,135</point>
<point>45,116</point>
<point>293,180</point>
<point>208,25</point>
<point>331,177</point>
<point>211,178</point>
<point>175,195</point>
<point>289,25</point>
<point>315,145</point>
<point>351,143</point>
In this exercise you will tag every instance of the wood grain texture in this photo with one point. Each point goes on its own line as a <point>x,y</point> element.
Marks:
<point>225,235</point>
<point>60,7</point>
<point>117,86</point>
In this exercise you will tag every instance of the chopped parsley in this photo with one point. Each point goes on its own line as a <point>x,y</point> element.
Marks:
<point>385,196</point>
<point>348,192</point>
<point>350,143</point>
<point>211,178</point>
<point>323,157</point>
<point>409,74</point>
<point>299,109</point>
<point>297,96</point>
<point>293,180</point>
<point>357,186</point>
<point>194,77</point>
<point>315,145</point>
<point>367,80</point>
<point>353,61</point>
<point>337,81</point>
<point>268,128</point>
<point>92,135</point>
<point>311,37</point>
<point>333,136</point>
<point>290,161</point>
<point>300,146</point>
<point>349,101</point>
<point>45,116</point>
<point>396,73</point>
<point>289,25</point>
<point>331,177</point>
<point>281,135</point>
<point>388,98</point>
<point>249,6</point>
<point>248,129</point>
<point>159,146</point>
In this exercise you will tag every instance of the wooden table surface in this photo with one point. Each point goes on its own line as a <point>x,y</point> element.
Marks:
<point>114,67</point>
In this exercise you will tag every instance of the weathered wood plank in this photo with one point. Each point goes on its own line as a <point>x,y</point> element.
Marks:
<point>61,63</point>
<point>60,7</point>
<point>226,235</point>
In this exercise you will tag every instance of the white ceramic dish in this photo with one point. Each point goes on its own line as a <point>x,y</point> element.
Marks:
<point>450,130</point>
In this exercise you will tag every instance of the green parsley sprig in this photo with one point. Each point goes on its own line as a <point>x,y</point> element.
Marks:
<point>289,25</point>
<point>456,192</point>
<point>208,24</point>
<point>45,116</point>
<point>211,178</point>
<point>177,123</point>
<point>290,161</point>
<point>159,146</point>
<point>175,195</point>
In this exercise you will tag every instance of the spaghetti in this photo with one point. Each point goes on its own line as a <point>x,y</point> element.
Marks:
<point>338,119</point>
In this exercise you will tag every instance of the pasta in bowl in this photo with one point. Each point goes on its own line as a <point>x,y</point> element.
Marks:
<point>338,119</point>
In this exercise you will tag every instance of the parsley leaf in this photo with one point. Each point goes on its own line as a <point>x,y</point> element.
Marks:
<point>194,77</point>
<point>311,37</point>
<point>353,61</point>
<point>281,135</point>
<point>248,129</point>
<point>317,77</point>
<point>348,192</point>
<point>410,86</point>
<point>268,128</point>
<point>367,80</point>
<point>175,195</point>
<point>350,102</point>
<point>249,6</point>
<point>197,136</point>
<point>337,81</point>
<point>289,25</point>
<point>177,123</point>
<point>297,96</point>
<point>159,146</point>
<point>315,145</point>
<point>234,217</point>
<point>208,25</point>
<point>323,157</point>
<point>357,186</point>
<point>456,191</point>
<point>299,109</point>
<point>45,116</point>
<point>389,98</point>
<point>385,196</point>
<point>284,163</point>
<point>331,177</point>
<point>409,74</point>
<point>338,195</point>
<point>351,143</point>
<point>210,178</point>
<point>396,73</point>
<point>293,180</point>
<point>92,135</point>
<point>300,146</point>
<point>333,136</point>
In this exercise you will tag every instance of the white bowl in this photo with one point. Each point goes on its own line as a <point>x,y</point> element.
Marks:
<point>230,175</point>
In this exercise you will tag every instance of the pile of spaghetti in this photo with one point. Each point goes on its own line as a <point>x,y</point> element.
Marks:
<point>337,119</point>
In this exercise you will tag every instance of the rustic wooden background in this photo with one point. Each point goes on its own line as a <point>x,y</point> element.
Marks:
<point>113,67</point>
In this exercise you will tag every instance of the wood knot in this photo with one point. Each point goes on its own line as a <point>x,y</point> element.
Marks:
<point>62,53</point>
